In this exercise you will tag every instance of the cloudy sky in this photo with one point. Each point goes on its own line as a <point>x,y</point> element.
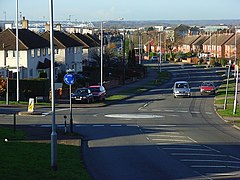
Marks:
<point>98,10</point>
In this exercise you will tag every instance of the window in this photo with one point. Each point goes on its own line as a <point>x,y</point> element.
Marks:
<point>75,50</point>
<point>49,51</point>
<point>14,53</point>
<point>32,53</point>
<point>56,51</point>
<point>38,52</point>
<point>44,51</point>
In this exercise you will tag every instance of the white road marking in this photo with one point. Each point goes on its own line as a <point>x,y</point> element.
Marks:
<point>196,154</point>
<point>133,116</point>
<point>173,140</point>
<point>165,135</point>
<point>98,125</point>
<point>210,160</point>
<point>116,125</point>
<point>187,149</point>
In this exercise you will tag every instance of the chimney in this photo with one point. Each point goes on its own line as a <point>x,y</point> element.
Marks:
<point>24,23</point>
<point>58,27</point>
<point>47,27</point>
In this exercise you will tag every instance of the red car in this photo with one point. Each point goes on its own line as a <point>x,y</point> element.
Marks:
<point>207,87</point>
<point>99,92</point>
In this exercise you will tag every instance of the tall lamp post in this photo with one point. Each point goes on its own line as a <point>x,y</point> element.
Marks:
<point>236,74</point>
<point>123,61</point>
<point>54,133</point>
<point>17,51</point>
<point>101,81</point>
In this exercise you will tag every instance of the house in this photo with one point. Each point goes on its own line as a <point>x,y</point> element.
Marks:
<point>216,44</point>
<point>33,49</point>
<point>90,47</point>
<point>197,46</point>
<point>181,30</point>
<point>68,51</point>
<point>231,45</point>
<point>187,43</point>
<point>194,30</point>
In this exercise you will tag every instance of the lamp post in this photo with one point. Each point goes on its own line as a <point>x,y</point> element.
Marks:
<point>54,133</point>
<point>17,50</point>
<point>101,81</point>
<point>123,61</point>
<point>236,74</point>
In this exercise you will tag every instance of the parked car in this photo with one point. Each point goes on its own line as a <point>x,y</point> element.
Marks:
<point>207,87</point>
<point>99,92</point>
<point>83,95</point>
<point>154,58</point>
<point>181,88</point>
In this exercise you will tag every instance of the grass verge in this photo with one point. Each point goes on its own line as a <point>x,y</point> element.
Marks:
<point>220,99</point>
<point>29,160</point>
<point>161,77</point>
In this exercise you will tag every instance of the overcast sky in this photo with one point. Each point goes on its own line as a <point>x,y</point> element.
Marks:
<point>99,10</point>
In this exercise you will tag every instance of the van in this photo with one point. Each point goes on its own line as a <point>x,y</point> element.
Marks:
<point>181,88</point>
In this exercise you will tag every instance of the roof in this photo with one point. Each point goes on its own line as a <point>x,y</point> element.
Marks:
<point>85,40</point>
<point>201,40</point>
<point>27,40</point>
<point>218,39</point>
<point>94,38</point>
<point>190,39</point>
<point>62,40</point>
<point>231,41</point>
<point>182,27</point>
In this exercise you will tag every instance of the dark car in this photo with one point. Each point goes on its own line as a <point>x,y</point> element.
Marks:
<point>207,87</point>
<point>83,95</point>
<point>99,92</point>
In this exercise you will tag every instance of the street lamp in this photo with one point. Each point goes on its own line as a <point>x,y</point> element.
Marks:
<point>54,133</point>
<point>17,50</point>
<point>101,81</point>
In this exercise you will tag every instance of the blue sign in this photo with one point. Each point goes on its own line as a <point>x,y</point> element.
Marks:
<point>69,79</point>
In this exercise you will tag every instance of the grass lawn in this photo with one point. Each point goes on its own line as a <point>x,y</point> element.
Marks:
<point>219,99</point>
<point>28,160</point>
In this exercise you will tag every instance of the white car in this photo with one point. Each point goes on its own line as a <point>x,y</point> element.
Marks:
<point>181,88</point>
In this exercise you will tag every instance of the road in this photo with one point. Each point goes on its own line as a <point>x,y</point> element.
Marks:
<point>156,136</point>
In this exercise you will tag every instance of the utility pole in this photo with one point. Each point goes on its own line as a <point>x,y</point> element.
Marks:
<point>54,133</point>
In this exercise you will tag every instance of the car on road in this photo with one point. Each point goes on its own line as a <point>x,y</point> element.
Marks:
<point>208,88</point>
<point>181,88</point>
<point>99,92</point>
<point>83,95</point>
<point>154,58</point>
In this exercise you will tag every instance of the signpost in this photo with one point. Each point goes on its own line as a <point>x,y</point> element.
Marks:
<point>69,79</point>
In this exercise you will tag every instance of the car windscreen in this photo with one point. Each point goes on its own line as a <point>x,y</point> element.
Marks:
<point>182,85</point>
<point>94,89</point>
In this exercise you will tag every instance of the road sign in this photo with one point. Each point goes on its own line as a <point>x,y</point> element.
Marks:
<point>69,79</point>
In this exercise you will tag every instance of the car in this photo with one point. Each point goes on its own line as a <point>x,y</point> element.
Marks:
<point>207,87</point>
<point>99,92</point>
<point>83,95</point>
<point>181,88</point>
<point>154,58</point>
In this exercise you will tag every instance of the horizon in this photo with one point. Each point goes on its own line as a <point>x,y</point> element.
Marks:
<point>93,11</point>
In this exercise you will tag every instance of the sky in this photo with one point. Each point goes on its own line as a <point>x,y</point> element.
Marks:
<point>129,10</point>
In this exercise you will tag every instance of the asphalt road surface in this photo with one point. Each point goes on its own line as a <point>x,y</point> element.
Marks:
<point>157,136</point>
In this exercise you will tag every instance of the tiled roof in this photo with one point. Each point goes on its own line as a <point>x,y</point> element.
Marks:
<point>200,40</point>
<point>94,38</point>
<point>85,40</point>
<point>62,40</point>
<point>27,40</point>
<point>231,41</point>
<point>220,39</point>
<point>188,40</point>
